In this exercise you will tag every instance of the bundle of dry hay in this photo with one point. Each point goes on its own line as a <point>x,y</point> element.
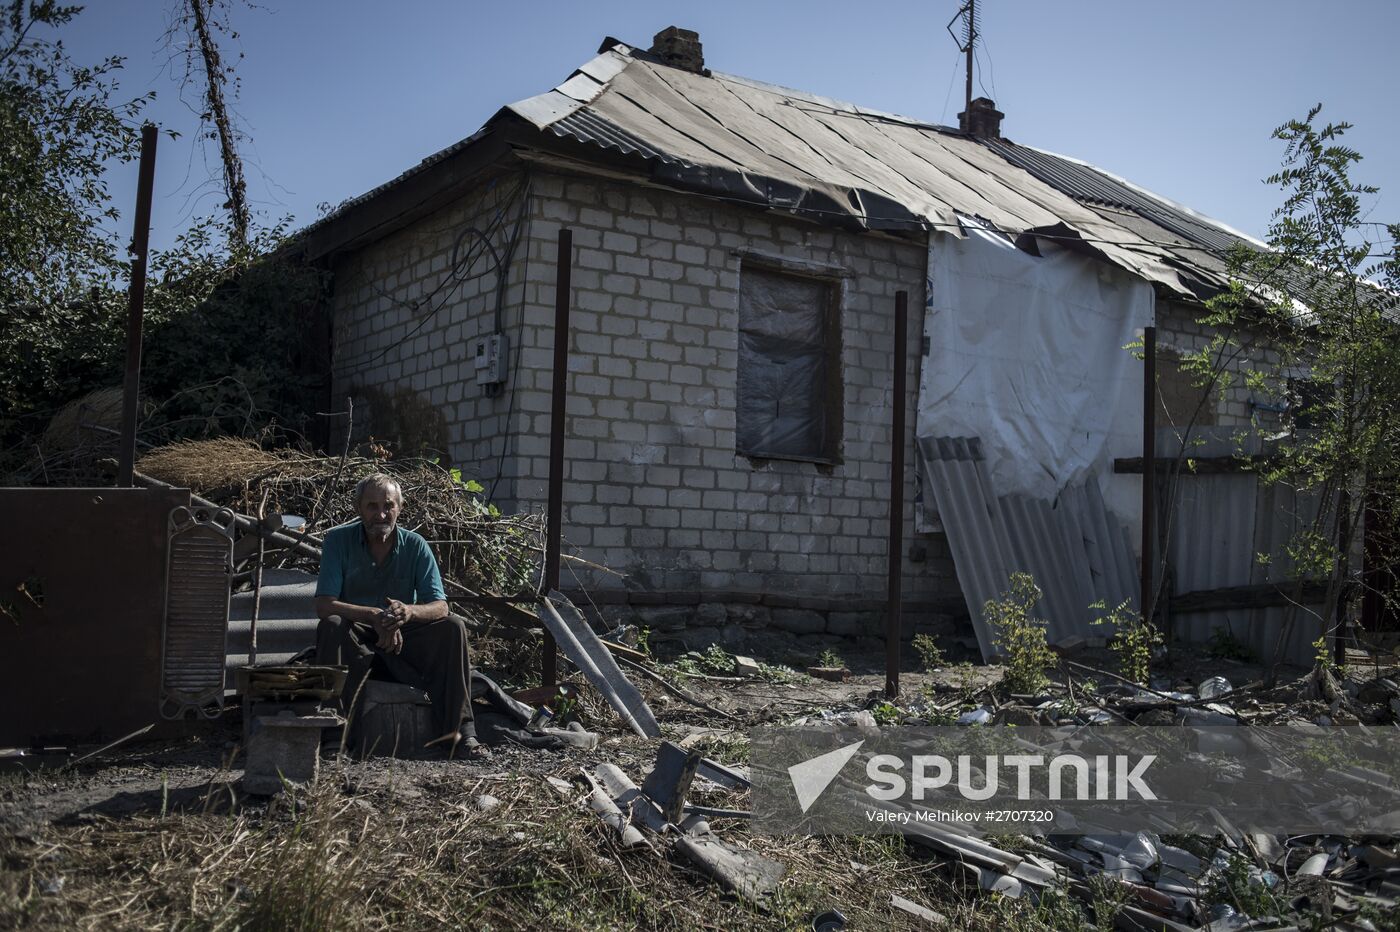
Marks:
<point>76,439</point>
<point>475,544</point>
<point>91,420</point>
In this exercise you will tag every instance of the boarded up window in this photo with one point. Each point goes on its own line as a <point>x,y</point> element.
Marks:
<point>789,389</point>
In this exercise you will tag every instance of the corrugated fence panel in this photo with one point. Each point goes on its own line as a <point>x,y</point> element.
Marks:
<point>286,618</point>
<point>1218,525</point>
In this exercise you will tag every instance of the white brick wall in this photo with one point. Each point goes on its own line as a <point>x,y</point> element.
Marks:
<point>658,491</point>
<point>385,341</point>
<point>653,485</point>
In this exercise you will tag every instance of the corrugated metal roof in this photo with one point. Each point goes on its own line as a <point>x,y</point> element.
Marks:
<point>1087,183</point>
<point>732,137</point>
<point>736,138</point>
<point>589,127</point>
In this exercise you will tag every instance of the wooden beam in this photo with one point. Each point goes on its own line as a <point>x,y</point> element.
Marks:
<point>1266,595</point>
<point>1194,465</point>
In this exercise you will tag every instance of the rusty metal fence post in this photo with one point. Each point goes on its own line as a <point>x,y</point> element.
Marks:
<point>896,545</point>
<point>555,520</point>
<point>1149,470</point>
<point>136,302</point>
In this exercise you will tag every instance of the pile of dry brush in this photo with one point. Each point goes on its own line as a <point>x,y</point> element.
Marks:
<point>475,544</point>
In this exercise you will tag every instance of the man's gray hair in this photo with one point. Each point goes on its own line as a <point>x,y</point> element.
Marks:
<point>379,480</point>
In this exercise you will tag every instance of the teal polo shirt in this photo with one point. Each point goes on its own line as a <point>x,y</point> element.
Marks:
<point>348,573</point>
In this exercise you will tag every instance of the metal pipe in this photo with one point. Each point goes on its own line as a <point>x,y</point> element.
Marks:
<point>258,581</point>
<point>136,303</point>
<point>896,546</point>
<point>1149,468</point>
<point>554,529</point>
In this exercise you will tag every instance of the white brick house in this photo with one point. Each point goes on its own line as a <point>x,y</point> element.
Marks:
<point>693,199</point>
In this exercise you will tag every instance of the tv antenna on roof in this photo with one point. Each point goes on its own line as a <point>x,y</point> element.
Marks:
<point>967,42</point>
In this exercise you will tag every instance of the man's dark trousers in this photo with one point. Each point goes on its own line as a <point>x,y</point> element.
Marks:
<point>434,658</point>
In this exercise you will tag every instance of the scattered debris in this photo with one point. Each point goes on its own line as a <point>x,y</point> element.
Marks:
<point>747,666</point>
<point>578,642</point>
<point>746,873</point>
<point>914,909</point>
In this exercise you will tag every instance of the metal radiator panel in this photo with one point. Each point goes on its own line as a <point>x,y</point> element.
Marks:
<point>196,612</point>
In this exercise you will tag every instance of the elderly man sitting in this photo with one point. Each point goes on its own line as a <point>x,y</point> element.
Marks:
<point>381,604</point>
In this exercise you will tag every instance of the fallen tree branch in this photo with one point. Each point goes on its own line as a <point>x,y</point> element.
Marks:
<point>672,688</point>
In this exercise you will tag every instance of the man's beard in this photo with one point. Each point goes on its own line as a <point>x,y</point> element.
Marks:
<point>379,531</point>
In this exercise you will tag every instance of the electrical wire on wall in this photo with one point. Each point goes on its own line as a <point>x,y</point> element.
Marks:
<point>470,247</point>
<point>518,342</point>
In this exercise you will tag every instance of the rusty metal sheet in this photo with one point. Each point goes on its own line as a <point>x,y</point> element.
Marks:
<point>196,611</point>
<point>80,661</point>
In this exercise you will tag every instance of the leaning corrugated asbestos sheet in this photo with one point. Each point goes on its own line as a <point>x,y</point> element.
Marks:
<point>1075,548</point>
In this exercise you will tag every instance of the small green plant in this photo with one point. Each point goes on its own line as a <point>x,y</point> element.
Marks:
<point>1055,911</point>
<point>717,660</point>
<point>1133,640</point>
<point>778,673</point>
<point>644,641</point>
<point>1383,918</point>
<point>930,654</point>
<point>1322,656</point>
<point>829,658</point>
<point>1107,899</point>
<point>966,675</point>
<point>886,713</point>
<point>1224,645</point>
<point>1233,885</point>
<point>1020,637</point>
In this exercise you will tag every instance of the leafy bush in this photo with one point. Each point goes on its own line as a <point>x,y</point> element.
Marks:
<point>930,654</point>
<point>1020,637</point>
<point>1133,640</point>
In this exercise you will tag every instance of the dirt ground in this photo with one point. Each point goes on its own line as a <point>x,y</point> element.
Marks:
<point>160,835</point>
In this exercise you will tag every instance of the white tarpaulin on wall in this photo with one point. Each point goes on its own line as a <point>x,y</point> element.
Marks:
<point>1027,354</point>
<point>1027,394</point>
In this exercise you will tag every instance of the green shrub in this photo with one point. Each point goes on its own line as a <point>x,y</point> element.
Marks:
<point>1133,640</point>
<point>930,654</point>
<point>1020,637</point>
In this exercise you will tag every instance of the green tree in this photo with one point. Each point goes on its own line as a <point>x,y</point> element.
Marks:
<point>1324,297</point>
<point>61,125</point>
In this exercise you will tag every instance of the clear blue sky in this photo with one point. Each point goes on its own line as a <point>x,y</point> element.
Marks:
<point>1178,97</point>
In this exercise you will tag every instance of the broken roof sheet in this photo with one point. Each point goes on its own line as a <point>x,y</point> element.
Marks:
<point>738,139</point>
<point>745,141</point>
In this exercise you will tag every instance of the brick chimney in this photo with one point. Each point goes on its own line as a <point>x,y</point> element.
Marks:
<point>982,119</point>
<point>679,48</point>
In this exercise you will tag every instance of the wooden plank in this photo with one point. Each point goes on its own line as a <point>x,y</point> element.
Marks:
<point>1265,595</point>
<point>1194,465</point>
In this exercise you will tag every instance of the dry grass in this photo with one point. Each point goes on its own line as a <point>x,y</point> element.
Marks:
<point>222,463</point>
<point>387,857</point>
